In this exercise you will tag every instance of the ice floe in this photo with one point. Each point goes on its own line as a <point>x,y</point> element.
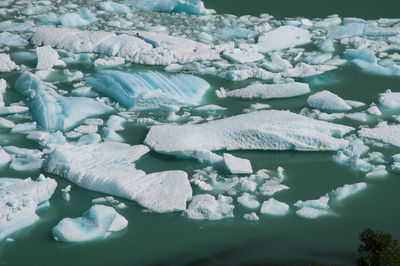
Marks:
<point>327,101</point>
<point>274,207</point>
<point>388,134</point>
<point>206,207</point>
<point>283,37</point>
<point>6,65</point>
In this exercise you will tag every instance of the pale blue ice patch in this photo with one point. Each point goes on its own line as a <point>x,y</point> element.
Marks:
<point>80,18</point>
<point>12,40</point>
<point>195,7</point>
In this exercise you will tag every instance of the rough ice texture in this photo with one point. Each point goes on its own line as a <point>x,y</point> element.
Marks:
<point>274,207</point>
<point>263,130</point>
<point>19,202</point>
<point>195,7</point>
<point>248,201</point>
<point>132,89</point>
<point>312,209</point>
<point>96,223</point>
<point>140,47</point>
<point>109,168</point>
<point>82,17</point>
<point>47,57</point>
<point>269,91</point>
<point>237,165</point>
<point>348,190</point>
<point>283,37</point>
<point>206,207</point>
<point>389,99</point>
<point>327,101</point>
<point>53,111</point>
<point>6,65</point>
<point>242,56</point>
<point>388,134</point>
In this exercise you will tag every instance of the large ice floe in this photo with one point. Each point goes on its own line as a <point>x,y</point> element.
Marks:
<point>388,134</point>
<point>97,223</point>
<point>53,111</point>
<point>263,130</point>
<point>19,200</point>
<point>148,90</point>
<point>109,168</point>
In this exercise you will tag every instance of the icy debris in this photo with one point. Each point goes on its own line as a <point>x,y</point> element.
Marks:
<point>389,134</point>
<point>274,207</point>
<point>13,109</point>
<point>210,109</point>
<point>251,216</point>
<point>28,126</point>
<point>327,46</point>
<point>97,223</point>
<point>312,209</point>
<point>358,116</point>
<point>302,70</point>
<point>352,161</point>
<point>91,138</point>
<point>206,207</point>
<point>116,123</point>
<point>109,62</point>
<point>248,201</point>
<point>80,18</point>
<point>53,111</point>
<point>114,7</point>
<point>19,202</point>
<point>389,100</point>
<point>4,157</point>
<point>28,163</point>
<point>12,40</point>
<point>374,110</point>
<point>94,167</point>
<point>195,7</point>
<point>242,56</point>
<point>47,57</point>
<point>277,64</point>
<point>269,91</point>
<point>110,135</point>
<point>131,89</point>
<point>65,193</point>
<point>327,101</point>
<point>282,38</point>
<point>379,171</point>
<point>3,87</point>
<point>348,190</point>
<point>355,104</point>
<point>6,65</point>
<point>237,165</point>
<point>266,130</point>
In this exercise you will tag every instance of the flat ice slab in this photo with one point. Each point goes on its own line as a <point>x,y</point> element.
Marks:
<point>348,190</point>
<point>109,168</point>
<point>263,130</point>
<point>282,38</point>
<point>96,223</point>
<point>270,91</point>
<point>132,89</point>
<point>206,207</point>
<point>274,207</point>
<point>19,201</point>
<point>389,100</point>
<point>388,134</point>
<point>194,7</point>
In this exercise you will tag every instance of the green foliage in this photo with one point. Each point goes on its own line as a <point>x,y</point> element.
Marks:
<point>378,249</point>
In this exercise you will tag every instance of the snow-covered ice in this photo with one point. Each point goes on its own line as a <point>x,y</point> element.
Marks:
<point>6,64</point>
<point>248,201</point>
<point>327,101</point>
<point>388,134</point>
<point>283,37</point>
<point>206,207</point>
<point>47,57</point>
<point>348,190</point>
<point>274,207</point>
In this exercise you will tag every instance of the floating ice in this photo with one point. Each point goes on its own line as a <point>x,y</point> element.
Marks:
<point>129,89</point>
<point>12,40</point>
<point>110,135</point>
<point>210,109</point>
<point>47,57</point>
<point>269,91</point>
<point>79,18</point>
<point>348,190</point>
<point>28,126</point>
<point>95,167</point>
<point>6,65</point>
<point>116,123</point>
<point>248,201</point>
<point>195,7</point>
<point>237,165</point>
<point>277,64</point>
<point>206,207</point>
<point>374,110</point>
<point>90,138</point>
<point>302,70</point>
<point>274,207</point>
<point>251,216</point>
<point>19,202</point>
<point>242,56</point>
<point>388,134</point>
<point>327,101</point>
<point>28,163</point>
<point>4,157</point>
<point>389,99</point>
<point>96,223</point>
<point>379,171</point>
<point>313,208</point>
<point>108,62</point>
<point>263,130</point>
<point>283,37</point>
<point>358,116</point>
<point>115,7</point>
<point>65,193</point>
<point>53,111</point>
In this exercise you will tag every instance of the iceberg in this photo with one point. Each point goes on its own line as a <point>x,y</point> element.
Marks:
<point>131,89</point>
<point>274,207</point>
<point>109,168</point>
<point>270,91</point>
<point>313,209</point>
<point>19,201</point>
<point>389,100</point>
<point>206,207</point>
<point>282,38</point>
<point>193,7</point>
<point>248,201</point>
<point>97,223</point>
<point>348,190</point>
<point>53,111</point>
<point>389,134</point>
<point>329,102</point>
<point>6,65</point>
<point>262,130</point>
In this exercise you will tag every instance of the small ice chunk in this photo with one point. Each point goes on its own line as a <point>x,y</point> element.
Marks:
<point>209,109</point>
<point>348,190</point>
<point>389,99</point>
<point>114,7</point>
<point>355,104</point>
<point>5,123</point>
<point>302,70</point>
<point>28,126</point>
<point>327,101</point>
<point>277,64</point>
<point>241,56</point>
<point>274,207</point>
<point>28,163</point>
<point>251,216</point>
<point>379,171</point>
<point>90,138</point>
<point>312,209</point>
<point>109,62</point>
<point>248,201</point>
<point>116,123</point>
<point>237,165</point>
<point>47,57</point>
<point>282,38</point>
<point>358,116</point>
<point>206,207</point>
<point>6,65</point>
<point>374,110</point>
<point>80,18</point>
<point>4,157</point>
<point>110,135</point>
<point>96,223</point>
<point>193,7</point>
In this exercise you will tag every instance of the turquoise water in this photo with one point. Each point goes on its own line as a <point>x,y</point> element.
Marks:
<point>171,239</point>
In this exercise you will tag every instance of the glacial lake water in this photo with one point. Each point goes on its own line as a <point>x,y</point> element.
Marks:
<point>171,239</point>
